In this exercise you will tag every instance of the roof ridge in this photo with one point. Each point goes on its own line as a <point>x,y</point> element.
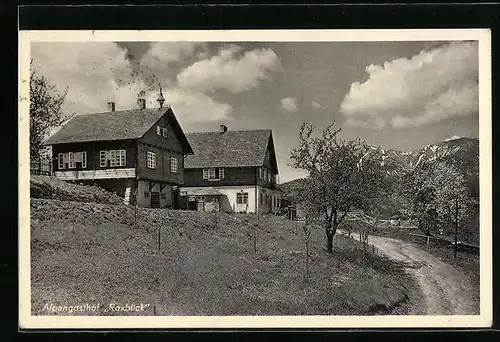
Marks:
<point>123,110</point>
<point>238,130</point>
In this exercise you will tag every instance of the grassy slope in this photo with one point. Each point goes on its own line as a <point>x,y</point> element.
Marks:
<point>53,188</point>
<point>89,253</point>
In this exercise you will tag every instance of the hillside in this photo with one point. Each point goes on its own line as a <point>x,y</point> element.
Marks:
<point>54,188</point>
<point>463,153</point>
<point>204,264</point>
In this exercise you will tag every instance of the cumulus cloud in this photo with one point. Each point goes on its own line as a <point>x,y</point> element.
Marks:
<point>100,72</point>
<point>289,104</point>
<point>316,105</point>
<point>434,85</point>
<point>94,72</point>
<point>191,107</point>
<point>231,70</point>
<point>163,53</point>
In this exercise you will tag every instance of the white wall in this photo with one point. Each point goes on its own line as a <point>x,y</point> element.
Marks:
<point>228,200</point>
<point>143,201</point>
<point>269,207</point>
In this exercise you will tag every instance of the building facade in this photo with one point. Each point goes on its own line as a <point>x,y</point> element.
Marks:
<point>137,154</point>
<point>231,171</point>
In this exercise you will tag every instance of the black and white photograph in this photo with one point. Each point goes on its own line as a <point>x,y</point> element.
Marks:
<point>255,179</point>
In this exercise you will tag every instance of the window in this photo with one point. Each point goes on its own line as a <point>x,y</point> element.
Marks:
<point>161,131</point>
<point>112,158</point>
<point>261,199</point>
<point>70,160</point>
<point>121,158</point>
<point>151,160</point>
<point>213,173</point>
<point>146,193</point>
<point>242,197</point>
<point>174,167</point>
<point>200,198</point>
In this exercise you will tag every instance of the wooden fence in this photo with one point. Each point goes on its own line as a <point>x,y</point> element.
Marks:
<point>442,241</point>
<point>41,167</point>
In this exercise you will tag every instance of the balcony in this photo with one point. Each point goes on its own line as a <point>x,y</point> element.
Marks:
<point>95,174</point>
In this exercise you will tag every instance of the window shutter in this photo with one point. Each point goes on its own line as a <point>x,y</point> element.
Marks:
<point>221,173</point>
<point>158,130</point>
<point>60,161</point>
<point>205,173</point>
<point>103,160</point>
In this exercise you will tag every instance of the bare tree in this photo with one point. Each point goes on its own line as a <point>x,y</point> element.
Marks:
<point>342,176</point>
<point>45,111</point>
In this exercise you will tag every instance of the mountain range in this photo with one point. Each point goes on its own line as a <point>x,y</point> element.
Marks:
<point>462,153</point>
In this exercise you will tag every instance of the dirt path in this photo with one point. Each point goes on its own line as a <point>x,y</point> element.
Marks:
<point>446,290</point>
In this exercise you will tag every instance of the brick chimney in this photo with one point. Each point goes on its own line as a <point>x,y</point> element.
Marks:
<point>223,129</point>
<point>111,106</point>
<point>142,103</point>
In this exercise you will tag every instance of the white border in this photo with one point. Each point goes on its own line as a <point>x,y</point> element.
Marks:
<point>109,322</point>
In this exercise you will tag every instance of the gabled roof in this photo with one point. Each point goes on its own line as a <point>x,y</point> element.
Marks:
<point>230,149</point>
<point>116,125</point>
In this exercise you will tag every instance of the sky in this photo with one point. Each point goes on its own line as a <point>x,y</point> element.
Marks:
<point>397,95</point>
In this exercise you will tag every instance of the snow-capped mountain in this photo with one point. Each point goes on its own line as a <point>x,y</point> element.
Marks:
<point>463,153</point>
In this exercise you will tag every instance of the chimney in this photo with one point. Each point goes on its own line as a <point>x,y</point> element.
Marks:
<point>223,129</point>
<point>142,103</point>
<point>111,106</point>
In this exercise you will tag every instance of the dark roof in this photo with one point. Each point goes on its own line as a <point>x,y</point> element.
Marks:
<point>231,149</point>
<point>116,125</point>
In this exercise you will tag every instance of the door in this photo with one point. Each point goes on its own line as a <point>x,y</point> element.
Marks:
<point>175,199</point>
<point>155,199</point>
<point>242,202</point>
